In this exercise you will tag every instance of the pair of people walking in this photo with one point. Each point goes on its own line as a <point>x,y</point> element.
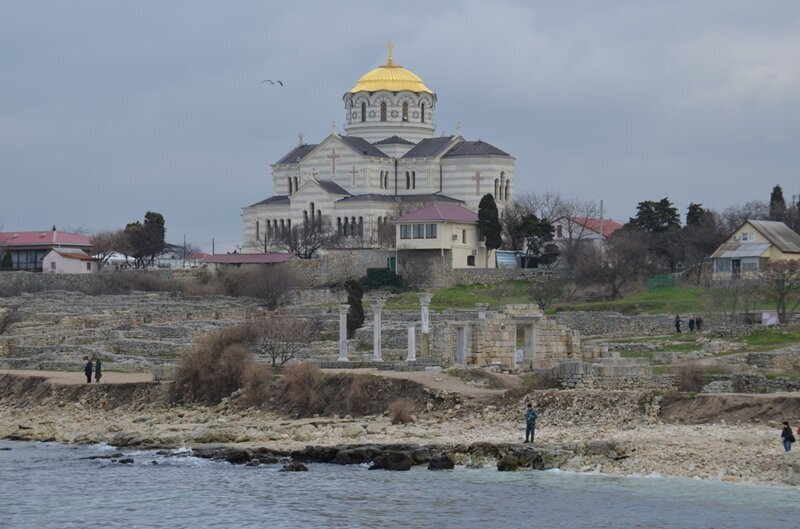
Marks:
<point>92,365</point>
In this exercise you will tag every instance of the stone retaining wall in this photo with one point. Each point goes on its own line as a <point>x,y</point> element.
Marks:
<point>749,382</point>
<point>610,374</point>
<point>614,324</point>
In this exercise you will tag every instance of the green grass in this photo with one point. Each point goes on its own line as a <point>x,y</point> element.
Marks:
<point>784,374</point>
<point>666,300</point>
<point>765,339</point>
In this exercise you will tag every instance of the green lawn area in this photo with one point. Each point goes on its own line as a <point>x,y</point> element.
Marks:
<point>765,339</point>
<point>678,348</point>
<point>666,300</point>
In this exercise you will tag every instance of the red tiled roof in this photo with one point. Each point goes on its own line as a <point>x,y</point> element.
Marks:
<point>44,238</point>
<point>440,212</point>
<point>609,225</point>
<point>247,258</point>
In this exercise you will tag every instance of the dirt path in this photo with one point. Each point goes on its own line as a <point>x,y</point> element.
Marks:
<point>433,379</point>
<point>76,377</point>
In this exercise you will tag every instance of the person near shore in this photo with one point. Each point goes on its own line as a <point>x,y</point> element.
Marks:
<point>691,323</point>
<point>98,370</point>
<point>787,436</point>
<point>678,322</point>
<point>530,423</point>
<point>87,369</point>
<point>698,322</point>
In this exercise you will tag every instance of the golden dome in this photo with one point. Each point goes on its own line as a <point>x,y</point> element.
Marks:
<point>391,77</point>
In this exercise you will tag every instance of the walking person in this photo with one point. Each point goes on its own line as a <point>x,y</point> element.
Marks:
<point>699,323</point>
<point>87,369</point>
<point>787,436</point>
<point>530,423</point>
<point>678,322</point>
<point>98,371</point>
<point>691,323</point>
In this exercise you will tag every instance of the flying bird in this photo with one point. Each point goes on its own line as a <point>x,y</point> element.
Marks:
<point>270,81</point>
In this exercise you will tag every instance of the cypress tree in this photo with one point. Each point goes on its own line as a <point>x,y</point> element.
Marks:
<point>489,224</point>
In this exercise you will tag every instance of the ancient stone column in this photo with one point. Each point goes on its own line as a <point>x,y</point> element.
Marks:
<point>412,345</point>
<point>424,304</point>
<point>377,306</point>
<point>482,308</point>
<point>343,332</point>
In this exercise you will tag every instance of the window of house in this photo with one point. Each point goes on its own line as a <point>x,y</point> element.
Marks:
<point>363,112</point>
<point>383,111</point>
<point>419,231</point>
<point>52,265</point>
<point>405,111</point>
<point>88,266</point>
<point>463,236</point>
<point>405,231</point>
<point>430,231</point>
<point>470,260</point>
<point>747,236</point>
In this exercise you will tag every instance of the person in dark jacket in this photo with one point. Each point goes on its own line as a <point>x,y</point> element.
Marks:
<point>691,323</point>
<point>530,423</point>
<point>98,369</point>
<point>699,323</point>
<point>87,369</point>
<point>678,322</point>
<point>787,436</point>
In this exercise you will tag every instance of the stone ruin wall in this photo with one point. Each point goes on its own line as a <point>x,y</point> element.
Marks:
<point>614,324</point>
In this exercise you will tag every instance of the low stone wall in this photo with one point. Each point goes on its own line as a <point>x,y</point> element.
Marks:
<point>338,265</point>
<point>611,374</point>
<point>492,276</point>
<point>749,382</point>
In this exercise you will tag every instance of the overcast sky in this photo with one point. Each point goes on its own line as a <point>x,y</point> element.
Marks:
<point>110,108</point>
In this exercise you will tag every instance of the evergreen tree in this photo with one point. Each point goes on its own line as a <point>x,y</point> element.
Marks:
<point>655,217</point>
<point>145,241</point>
<point>489,224</point>
<point>539,248</point>
<point>695,214</point>
<point>777,204</point>
<point>355,314</point>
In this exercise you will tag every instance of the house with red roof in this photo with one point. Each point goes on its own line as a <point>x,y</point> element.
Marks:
<point>246,260</point>
<point>440,235</point>
<point>25,250</point>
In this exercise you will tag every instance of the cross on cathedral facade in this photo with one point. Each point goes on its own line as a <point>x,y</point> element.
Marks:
<point>389,143</point>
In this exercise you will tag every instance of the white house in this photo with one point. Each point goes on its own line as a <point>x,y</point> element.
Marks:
<point>447,230</point>
<point>752,246</point>
<point>69,261</point>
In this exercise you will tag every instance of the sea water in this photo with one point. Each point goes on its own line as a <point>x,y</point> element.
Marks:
<point>48,485</point>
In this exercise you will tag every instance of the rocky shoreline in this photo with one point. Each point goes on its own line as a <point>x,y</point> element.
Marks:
<point>621,433</point>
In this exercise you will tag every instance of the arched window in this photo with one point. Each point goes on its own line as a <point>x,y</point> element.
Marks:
<point>408,180</point>
<point>258,233</point>
<point>383,111</point>
<point>405,111</point>
<point>319,219</point>
<point>290,184</point>
<point>289,225</point>
<point>311,205</point>
<point>360,226</point>
<point>386,179</point>
<point>345,227</point>
<point>380,182</point>
<point>496,187</point>
<point>502,185</point>
<point>422,112</point>
<point>296,183</point>
<point>339,226</point>
<point>283,228</point>
<point>413,179</point>
<point>305,218</point>
<point>508,187</point>
<point>363,112</point>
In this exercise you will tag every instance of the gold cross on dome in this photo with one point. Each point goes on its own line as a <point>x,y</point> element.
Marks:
<point>391,60</point>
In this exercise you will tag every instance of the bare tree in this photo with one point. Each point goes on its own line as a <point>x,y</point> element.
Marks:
<point>306,240</point>
<point>733,216</point>
<point>782,282</point>
<point>271,284</point>
<point>281,338</point>
<point>105,244</point>
<point>624,261</point>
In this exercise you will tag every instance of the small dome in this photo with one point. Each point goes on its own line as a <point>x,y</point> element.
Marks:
<point>390,77</point>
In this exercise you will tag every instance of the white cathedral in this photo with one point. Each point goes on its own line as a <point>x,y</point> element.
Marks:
<point>387,159</point>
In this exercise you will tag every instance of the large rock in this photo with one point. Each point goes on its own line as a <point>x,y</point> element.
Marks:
<point>356,455</point>
<point>316,454</point>
<point>441,462</point>
<point>509,463</point>
<point>392,460</point>
<point>294,466</point>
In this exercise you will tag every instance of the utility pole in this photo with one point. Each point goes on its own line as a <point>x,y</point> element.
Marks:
<point>212,245</point>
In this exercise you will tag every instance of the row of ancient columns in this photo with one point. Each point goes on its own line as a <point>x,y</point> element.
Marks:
<point>377,304</point>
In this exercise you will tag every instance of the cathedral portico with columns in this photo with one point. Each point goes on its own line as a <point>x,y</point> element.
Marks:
<point>387,158</point>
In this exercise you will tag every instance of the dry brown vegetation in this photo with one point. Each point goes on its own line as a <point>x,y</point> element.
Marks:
<point>401,411</point>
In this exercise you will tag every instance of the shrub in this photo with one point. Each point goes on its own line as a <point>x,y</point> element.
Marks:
<point>271,285</point>
<point>304,388</point>
<point>401,411</point>
<point>280,338</point>
<point>8,317</point>
<point>691,379</point>
<point>258,385</point>
<point>215,367</point>
<point>355,315</point>
<point>382,278</point>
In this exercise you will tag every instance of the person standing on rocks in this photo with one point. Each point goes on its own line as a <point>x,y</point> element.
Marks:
<point>530,423</point>
<point>691,323</point>
<point>678,322</point>
<point>98,372</point>
<point>87,369</point>
<point>787,436</point>
<point>699,323</point>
